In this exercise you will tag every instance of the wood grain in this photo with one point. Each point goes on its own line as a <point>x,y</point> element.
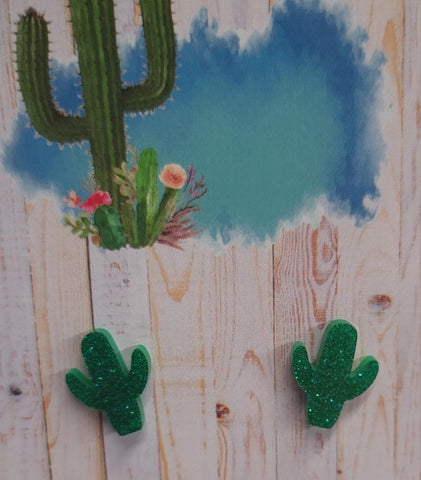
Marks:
<point>367,297</point>
<point>408,395</point>
<point>241,324</point>
<point>369,284</point>
<point>62,306</point>
<point>305,263</point>
<point>120,302</point>
<point>185,402</point>
<point>23,439</point>
<point>221,402</point>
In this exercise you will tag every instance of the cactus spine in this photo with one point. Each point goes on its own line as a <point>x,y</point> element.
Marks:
<point>105,100</point>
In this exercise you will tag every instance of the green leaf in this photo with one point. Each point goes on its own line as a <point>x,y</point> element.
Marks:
<point>126,191</point>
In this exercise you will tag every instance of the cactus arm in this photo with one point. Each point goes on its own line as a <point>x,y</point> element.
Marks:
<point>166,208</point>
<point>140,369</point>
<point>147,194</point>
<point>303,371</point>
<point>35,85</point>
<point>362,377</point>
<point>83,389</point>
<point>158,31</point>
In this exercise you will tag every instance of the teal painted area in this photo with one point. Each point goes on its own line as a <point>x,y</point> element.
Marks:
<point>261,152</point>
<point>271,127</point>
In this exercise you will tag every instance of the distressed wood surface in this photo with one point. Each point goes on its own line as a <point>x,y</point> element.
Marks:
<point>185,404</point>
<point>62,306</point>
<point>243,362</point>
<point>305,265</point>
<point>22,422</point>
<point>219,323</point>
<point>120,303</point>
<point>408,392</point>
<point>368,280</point>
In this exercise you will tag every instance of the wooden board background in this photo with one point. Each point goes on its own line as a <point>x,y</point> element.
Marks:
<point>219,324</point>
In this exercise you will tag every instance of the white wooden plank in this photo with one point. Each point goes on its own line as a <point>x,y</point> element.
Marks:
<point>368,283</point>
<point>184,11</point>
<point>184,381</point>
<point>305,276</point>
<point>408,401</point>
<point>120,300</point>
<point>368,297</point>
<point>23,439</point>
<point>243,356</point>
<point>62,306</point>
<point>241,16</point>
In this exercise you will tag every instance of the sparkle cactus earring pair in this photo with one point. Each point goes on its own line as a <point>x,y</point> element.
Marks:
<point>330,381</point>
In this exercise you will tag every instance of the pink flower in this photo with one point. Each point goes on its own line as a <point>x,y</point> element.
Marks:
<point>97,199</point>
<point>73,200</point>
<point>191,172</point>
<point>173,176</point>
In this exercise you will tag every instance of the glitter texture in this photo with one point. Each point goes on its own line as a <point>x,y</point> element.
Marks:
<point>330,381</point>
<point>113,388</point>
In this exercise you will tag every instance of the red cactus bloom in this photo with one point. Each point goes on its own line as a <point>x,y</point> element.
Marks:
<point>173,176</point>
<point>97,199</point>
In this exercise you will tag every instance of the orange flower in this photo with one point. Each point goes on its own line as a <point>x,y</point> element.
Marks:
<point>173,176</point>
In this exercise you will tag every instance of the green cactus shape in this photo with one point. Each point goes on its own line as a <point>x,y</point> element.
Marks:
<point>151,217</point>
<point>166,208</point>
<point>112,387</point>
<point>330,381</point>
<point>105,99</point>
<point>110,229</point>
<point>147,194</point>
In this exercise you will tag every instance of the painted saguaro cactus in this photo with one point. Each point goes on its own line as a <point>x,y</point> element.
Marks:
<point>112,388</point>
<point>105,99</point>
<point>330,381</point>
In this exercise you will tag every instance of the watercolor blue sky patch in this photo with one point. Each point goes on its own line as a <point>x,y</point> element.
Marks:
<point>289,118</point>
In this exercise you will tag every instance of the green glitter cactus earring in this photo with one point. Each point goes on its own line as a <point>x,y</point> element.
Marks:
<point>113,388</point>
<point>330,381</point>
